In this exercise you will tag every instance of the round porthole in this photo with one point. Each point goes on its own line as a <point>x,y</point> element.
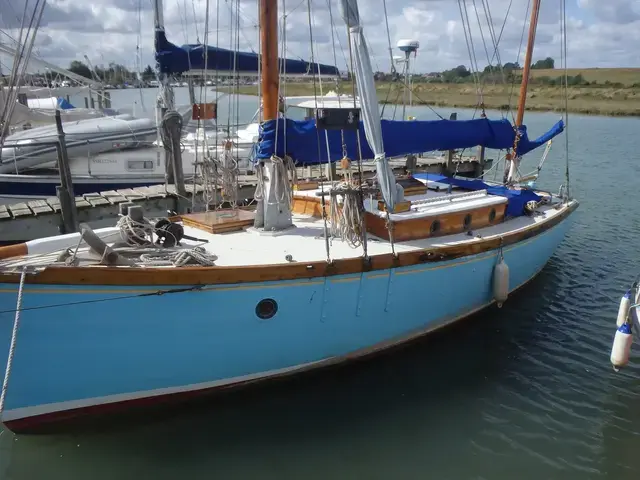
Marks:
<point>492,215</point>
<point>466,224</point>
<point>435,227</point>
<point>266,308</point>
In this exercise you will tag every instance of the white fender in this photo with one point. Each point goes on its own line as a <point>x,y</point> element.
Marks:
<point>621,349</point>
<point>501,282</point>
<point>623,310</point>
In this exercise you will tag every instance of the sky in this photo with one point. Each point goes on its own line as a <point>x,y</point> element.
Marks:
<point>600,33</point>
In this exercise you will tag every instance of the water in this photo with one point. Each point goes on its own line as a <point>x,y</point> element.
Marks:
<point>522,392</point>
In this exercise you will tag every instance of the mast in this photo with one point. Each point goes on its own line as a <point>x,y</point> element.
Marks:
<point>273,212</point>
<point>528,58</point>
<point>269,57</point>
<point>526,70</point>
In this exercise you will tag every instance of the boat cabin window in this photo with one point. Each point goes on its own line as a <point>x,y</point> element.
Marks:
<point>138,165</point>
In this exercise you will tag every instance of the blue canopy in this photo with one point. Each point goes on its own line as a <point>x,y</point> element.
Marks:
<point>173,60</point>
<point>517,199</point>
<point>63,104</point>
<point>307,145</point>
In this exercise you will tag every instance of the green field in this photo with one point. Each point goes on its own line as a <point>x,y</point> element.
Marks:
<point>626,77</point>
<point>604,91</point>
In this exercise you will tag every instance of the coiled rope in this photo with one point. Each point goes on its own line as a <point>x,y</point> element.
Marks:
<point>227,169</point>
<point>138,234</point>
<point>347,222</point>
<point>179,258</point>
<point>134,233</point>
<point>282,168</point>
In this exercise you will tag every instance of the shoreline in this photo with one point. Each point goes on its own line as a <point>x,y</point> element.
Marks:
<point>583,100</point>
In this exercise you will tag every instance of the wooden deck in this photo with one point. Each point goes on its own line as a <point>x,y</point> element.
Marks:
<point>38,218</point>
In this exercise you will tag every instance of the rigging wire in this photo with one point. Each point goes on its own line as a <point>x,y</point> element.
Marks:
<point>484,43</point>
<point>315,99</point>
<point>195,20</point>
<point>139,55</point>
<point>20,64</point>
<point>513,81</point>
<point>563,58</point>
<point>466,24</point>
<point>492,32</point>
<point>386,21</point>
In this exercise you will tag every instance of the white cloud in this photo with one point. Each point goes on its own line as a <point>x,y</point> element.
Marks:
<point>602,33</point>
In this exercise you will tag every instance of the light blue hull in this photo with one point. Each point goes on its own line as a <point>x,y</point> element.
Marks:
<point>114,345</point>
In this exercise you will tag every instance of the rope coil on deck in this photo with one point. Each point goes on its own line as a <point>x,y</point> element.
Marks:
<point>347,222</point>
<point>179,258</point>
<point>133,232</point>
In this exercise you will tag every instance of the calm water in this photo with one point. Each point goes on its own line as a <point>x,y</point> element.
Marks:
<point>522,392</point>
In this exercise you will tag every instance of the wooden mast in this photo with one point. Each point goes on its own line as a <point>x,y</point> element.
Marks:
<point>269,58</point>
<point>272,214</point>
<point>511,172</point>
<point>528,58</point>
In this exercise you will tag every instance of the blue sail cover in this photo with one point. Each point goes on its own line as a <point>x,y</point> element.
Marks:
<point>517,199</point>
<point>174,60</point>
<point>306,145</point>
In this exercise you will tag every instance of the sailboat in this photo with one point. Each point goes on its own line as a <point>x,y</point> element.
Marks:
<point>147,311</point>
<point>110,150</point>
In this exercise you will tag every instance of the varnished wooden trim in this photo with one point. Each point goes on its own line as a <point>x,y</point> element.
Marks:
<point>10,251</point>
<point>449,223</point>
<point>228,275</point>
<point>399,207</point>
<point>220,221</point>
<point>308,205</point>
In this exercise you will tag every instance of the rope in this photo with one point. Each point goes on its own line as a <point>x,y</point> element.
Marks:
<point>171,124</point>
<point>281,185</point>
<point>259,192</point>
<point>347,222</point>
<point>228,168</point>
<point>134,233</point>
<point>179,258</point>
<point>14,336</point>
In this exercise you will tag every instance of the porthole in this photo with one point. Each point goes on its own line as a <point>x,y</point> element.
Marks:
<point>435,227</point>
<point>466,224</point>
<point>492,215</point>
<point>266,308</point>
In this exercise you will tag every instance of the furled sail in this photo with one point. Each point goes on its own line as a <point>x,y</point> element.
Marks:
<point>399,138</point>
<point>369,101</point>
<point>173,59</point>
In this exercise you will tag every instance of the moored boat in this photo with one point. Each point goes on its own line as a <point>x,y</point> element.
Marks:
<point>316,275</point>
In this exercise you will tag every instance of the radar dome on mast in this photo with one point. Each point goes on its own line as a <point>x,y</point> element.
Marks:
<point>409,46</point>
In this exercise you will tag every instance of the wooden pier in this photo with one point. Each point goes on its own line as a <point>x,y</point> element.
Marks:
<point>41,218</point>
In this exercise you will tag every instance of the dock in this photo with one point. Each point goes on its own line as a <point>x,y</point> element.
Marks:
<point>41,218</point>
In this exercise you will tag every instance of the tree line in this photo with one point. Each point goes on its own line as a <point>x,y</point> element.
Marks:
<point>113,74</point>
<point>492,73</point>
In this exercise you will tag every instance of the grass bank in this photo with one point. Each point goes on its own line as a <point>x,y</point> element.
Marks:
<point>621,97</point>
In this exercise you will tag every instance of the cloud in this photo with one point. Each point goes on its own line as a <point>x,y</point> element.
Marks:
<point>613,11</point>
<point>601,33</point>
